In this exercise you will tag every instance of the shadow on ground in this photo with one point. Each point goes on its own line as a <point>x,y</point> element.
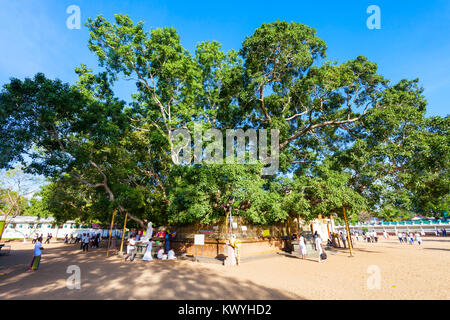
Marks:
<point>443,249</point>
<point>111,278</point>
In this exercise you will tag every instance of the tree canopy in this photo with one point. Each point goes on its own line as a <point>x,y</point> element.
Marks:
<point>348,137</point>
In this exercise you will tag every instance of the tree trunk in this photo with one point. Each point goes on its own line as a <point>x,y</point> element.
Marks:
<point>288,230</point>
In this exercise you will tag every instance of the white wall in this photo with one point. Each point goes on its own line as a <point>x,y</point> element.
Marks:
<point>27,232</point>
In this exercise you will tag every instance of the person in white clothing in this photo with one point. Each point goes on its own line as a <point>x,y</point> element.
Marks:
<point>160,255</point>
<point>418,238</point>
<point>85,242</point>
<point>318,243</point>
<point>171,255</point>
<point>148,251</point>
<point>411,238</point>
<point>302,245</point>
<point>131,249</point>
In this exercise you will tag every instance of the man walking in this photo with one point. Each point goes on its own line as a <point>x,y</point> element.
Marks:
<point>48,238</point>
<point>82,236</point>
<point>85,241</point>
<point>343,239</point>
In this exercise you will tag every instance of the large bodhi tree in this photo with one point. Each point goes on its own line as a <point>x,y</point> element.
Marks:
<point>341,128</point>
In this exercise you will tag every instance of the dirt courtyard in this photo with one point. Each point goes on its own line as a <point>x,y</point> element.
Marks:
<point>383,270</point>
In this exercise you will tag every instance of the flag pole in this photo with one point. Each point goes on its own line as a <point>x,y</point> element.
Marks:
<point>110,233</point>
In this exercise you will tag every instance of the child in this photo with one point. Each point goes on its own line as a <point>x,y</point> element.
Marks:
<point>131,248</point>
<point>37,255</point>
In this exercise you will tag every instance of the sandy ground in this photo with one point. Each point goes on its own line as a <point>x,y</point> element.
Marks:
<point>403,271</point>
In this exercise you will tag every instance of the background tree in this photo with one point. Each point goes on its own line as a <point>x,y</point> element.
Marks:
<point>15,189</point>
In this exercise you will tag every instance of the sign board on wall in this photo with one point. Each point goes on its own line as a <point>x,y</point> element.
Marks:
<point>199,239</point>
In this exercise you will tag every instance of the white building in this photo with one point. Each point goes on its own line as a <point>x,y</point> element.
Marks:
<point>25,227</point>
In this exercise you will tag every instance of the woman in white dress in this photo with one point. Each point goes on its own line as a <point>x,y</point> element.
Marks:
<point>318,242</point>
<point>148,251</point>
<point>302,245</point>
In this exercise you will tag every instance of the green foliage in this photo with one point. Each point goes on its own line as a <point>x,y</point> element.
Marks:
<point>348,137</point>
<point>37,208</point>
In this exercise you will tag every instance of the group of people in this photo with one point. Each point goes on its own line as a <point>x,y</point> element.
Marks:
<point>37,236</point>
<point>317,243</point>
<point>70,240</point>
<point>441,233</point>
<point>163,254</point>
<point>404,237</point>
<point>86,240</point>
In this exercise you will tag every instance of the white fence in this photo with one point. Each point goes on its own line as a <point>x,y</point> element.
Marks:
<point>29,233</point>
<point>428,229</point>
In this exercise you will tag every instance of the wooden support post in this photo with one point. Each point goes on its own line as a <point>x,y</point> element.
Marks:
<point>110,233</point>
<point>123,234</point>
<point>288,231</point>
<point>348,233</point>
<point>226,223</point>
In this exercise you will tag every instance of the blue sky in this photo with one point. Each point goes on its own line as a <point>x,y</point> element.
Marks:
<point>414,40</point>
